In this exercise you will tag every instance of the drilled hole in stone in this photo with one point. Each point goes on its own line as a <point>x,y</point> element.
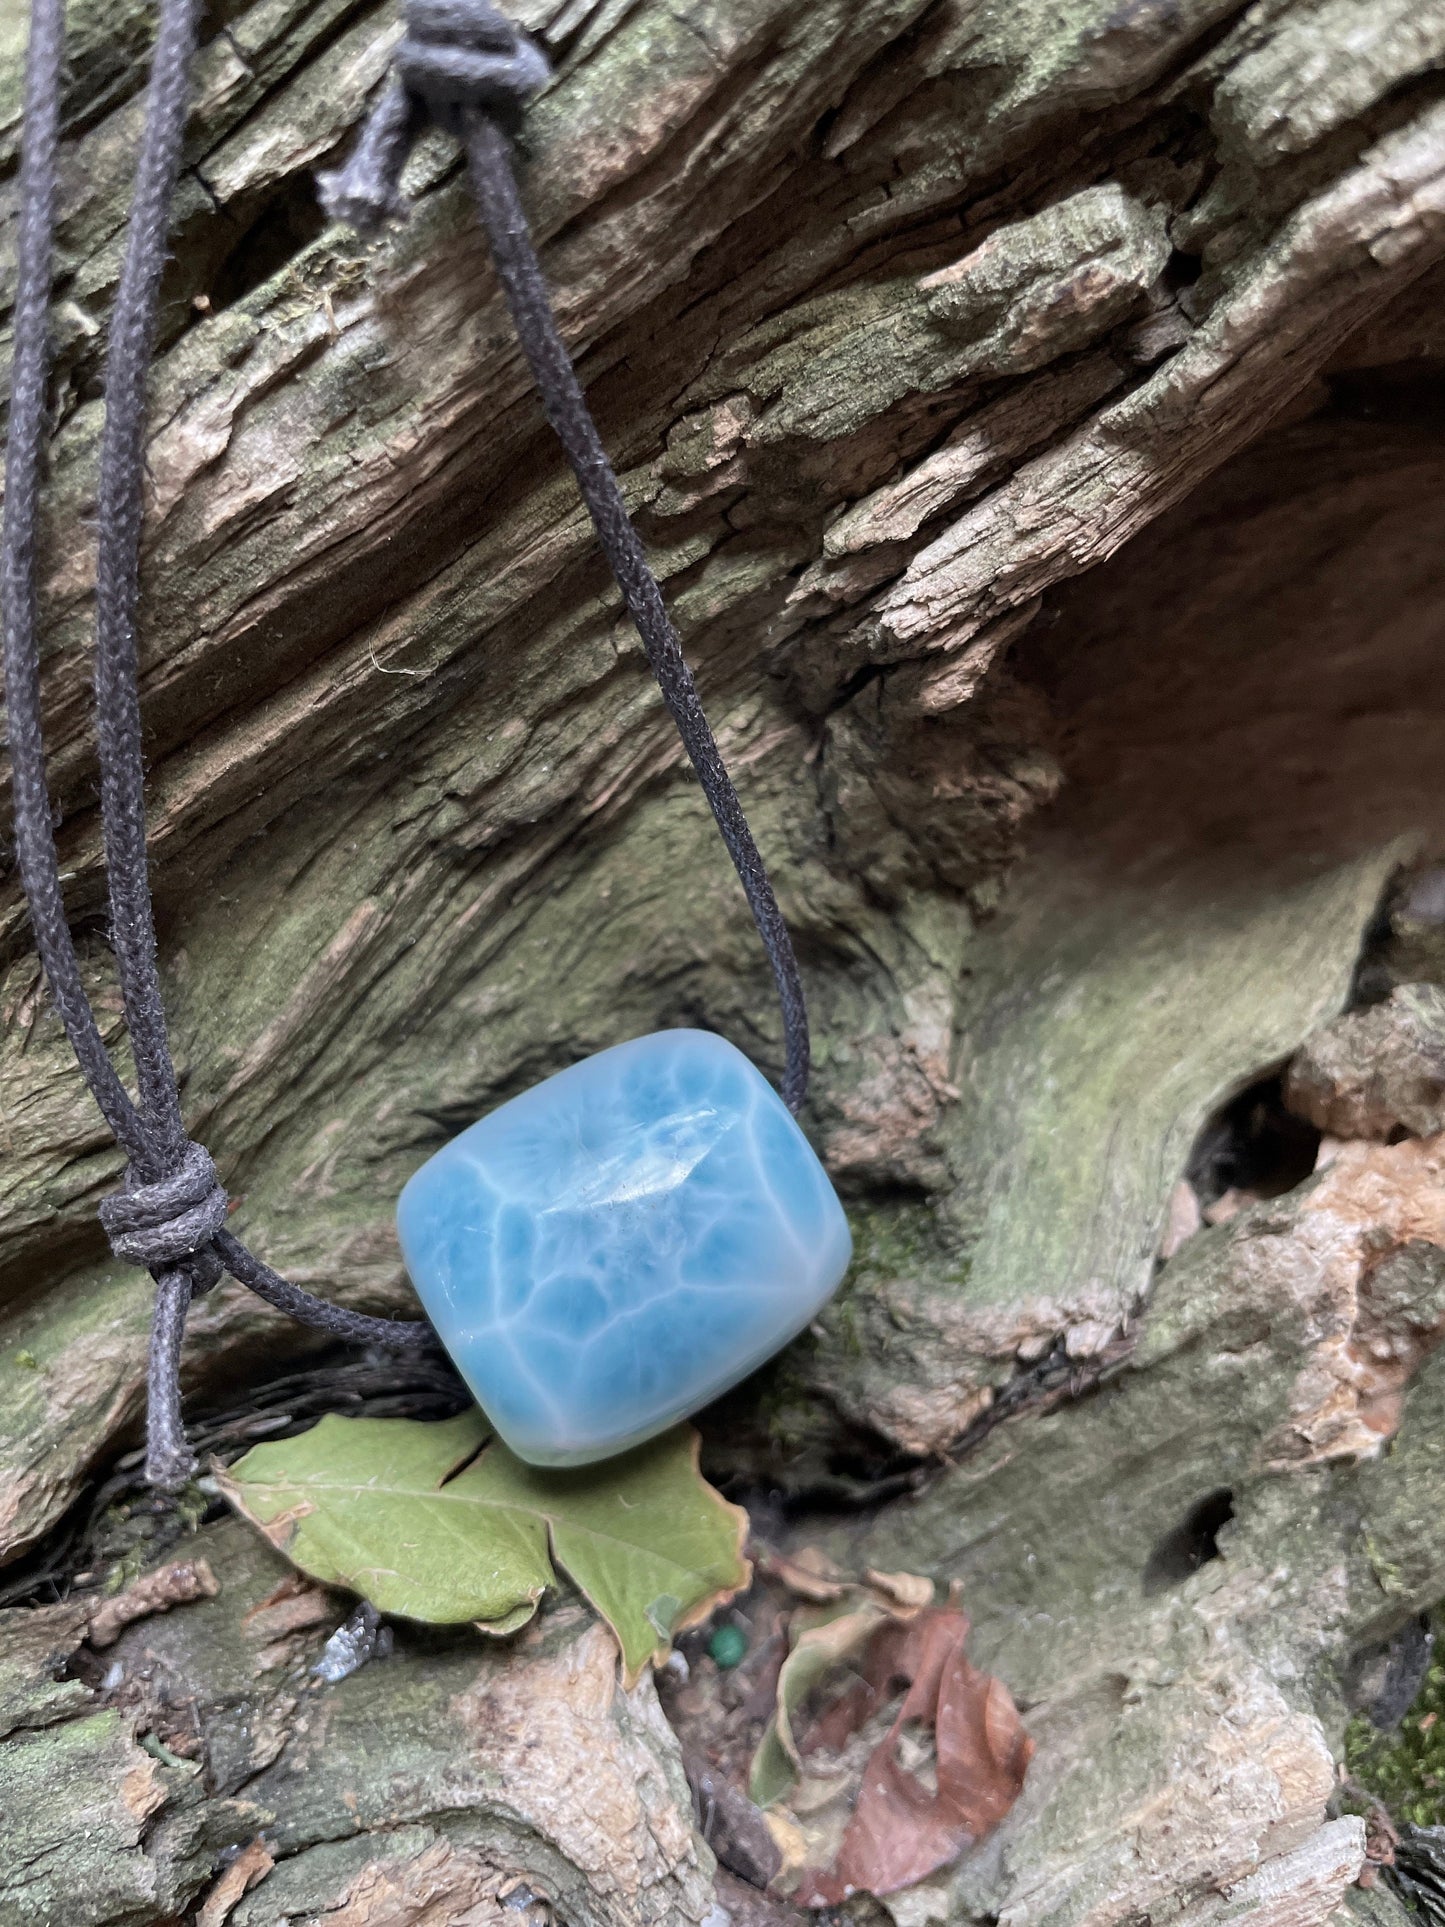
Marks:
<point>1191,1544</point>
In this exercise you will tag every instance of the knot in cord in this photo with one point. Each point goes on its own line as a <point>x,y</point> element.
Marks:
<point>464,53</point>
<point>463,65</point>
<point>456,56</point>
<point>171,1222</point>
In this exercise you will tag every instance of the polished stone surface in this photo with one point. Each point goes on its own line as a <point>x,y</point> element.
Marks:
<point>610,1250</point>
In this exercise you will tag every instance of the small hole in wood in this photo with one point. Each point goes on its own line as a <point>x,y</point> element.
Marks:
<point>1191,1544</point>
<point>1253,1146</point>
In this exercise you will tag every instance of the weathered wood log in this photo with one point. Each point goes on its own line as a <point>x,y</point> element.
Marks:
<point>1032,412</point>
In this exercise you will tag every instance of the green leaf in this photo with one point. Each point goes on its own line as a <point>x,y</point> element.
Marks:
<point>644,1536</point>
<point>364,1503</point>
<point>423,1522</point>
<point>509,1623</point>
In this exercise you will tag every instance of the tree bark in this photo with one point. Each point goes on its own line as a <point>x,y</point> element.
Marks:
<point>1032,412</point>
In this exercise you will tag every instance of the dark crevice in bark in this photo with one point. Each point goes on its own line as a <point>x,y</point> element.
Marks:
<point>1253,1144</point>
<point>1191,1544</point>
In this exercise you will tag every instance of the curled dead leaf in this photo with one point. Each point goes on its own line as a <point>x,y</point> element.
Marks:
<point>911,1815</point>
<point>844,1612</point>
<point>905,1592</point>
<point>823,1640</point>
<point>810,1574</point>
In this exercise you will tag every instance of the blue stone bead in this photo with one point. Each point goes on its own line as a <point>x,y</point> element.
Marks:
<point>612,1249</point>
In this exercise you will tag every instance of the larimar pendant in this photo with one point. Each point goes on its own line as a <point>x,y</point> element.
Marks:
<point>610,1250</point>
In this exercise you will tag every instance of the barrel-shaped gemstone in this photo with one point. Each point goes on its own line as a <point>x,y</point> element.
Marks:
<point>610,1250</point>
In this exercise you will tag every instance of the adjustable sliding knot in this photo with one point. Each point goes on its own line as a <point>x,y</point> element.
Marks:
<point>170,1224</point>
<point>456,56</point>
<point>465,53</point>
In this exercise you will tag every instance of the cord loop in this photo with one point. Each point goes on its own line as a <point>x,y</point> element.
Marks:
<point>171,1221</point>
<point>457,56</point>
<point>462,64</point>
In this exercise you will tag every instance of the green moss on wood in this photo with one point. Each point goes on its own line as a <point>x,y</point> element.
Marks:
<point>1405,1769</point>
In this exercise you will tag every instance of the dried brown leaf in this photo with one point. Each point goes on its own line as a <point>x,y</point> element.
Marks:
<point>822,1640</point>
<point>903,1829</point>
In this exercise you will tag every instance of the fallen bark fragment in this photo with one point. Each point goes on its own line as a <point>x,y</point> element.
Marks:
<point>1376,1071</point>
<point>247,1870</point>
<point>176,1584</point>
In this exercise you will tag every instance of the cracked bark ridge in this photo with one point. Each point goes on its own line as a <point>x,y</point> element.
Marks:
<point>410,1785</point>
<point>1377,1072</point>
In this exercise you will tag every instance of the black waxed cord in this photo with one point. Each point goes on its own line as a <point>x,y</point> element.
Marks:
<point>119,511</point>
<point>489,163</point>
<point>24,456</point>
<point>463,65</point>
<point>169,1216</point>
